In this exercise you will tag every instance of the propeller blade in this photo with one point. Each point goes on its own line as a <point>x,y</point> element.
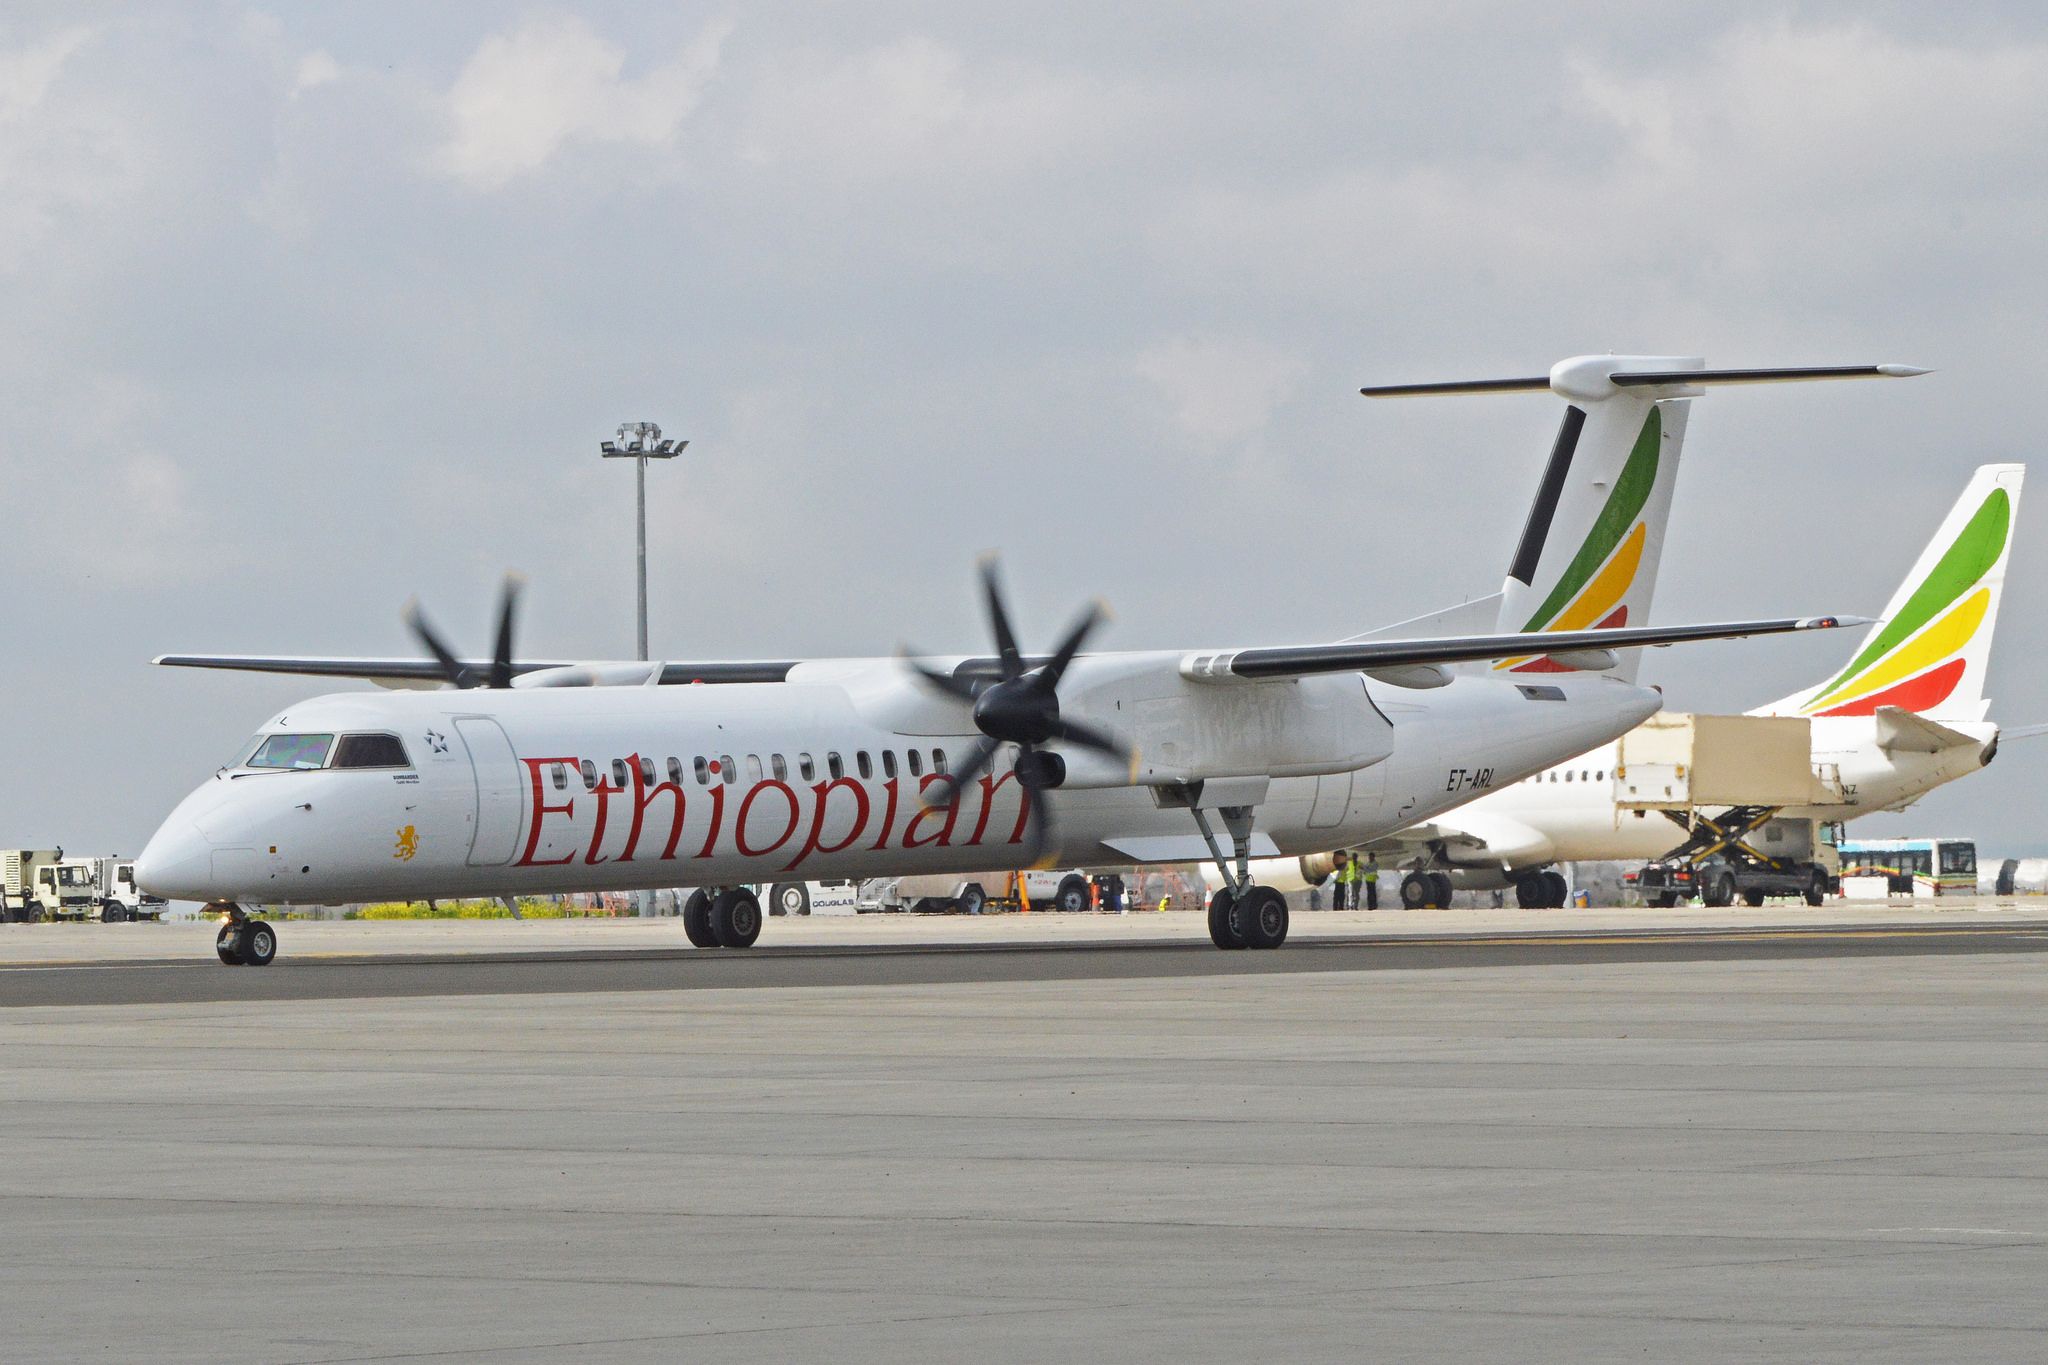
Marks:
<point>451,667</point>
<point>508,608</point>
<point>947,790</point>
<point>1071,646</point>
<point>1090,737</point>
<point>960,689</point>
<point>999,620</point>
<point>1038,832</point>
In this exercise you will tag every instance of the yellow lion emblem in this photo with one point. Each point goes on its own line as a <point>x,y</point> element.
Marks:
<point>408,844</point>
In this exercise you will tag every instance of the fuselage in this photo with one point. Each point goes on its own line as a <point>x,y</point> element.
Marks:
<point>1568,812</point>
<point>548,790</point>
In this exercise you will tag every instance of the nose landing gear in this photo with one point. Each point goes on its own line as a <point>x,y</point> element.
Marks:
<point>244,942</point>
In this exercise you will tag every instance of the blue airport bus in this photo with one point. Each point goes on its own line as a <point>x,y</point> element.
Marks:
<point>1914,867</point>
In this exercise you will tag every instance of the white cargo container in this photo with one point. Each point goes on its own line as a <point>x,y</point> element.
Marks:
<point>1677,760</point>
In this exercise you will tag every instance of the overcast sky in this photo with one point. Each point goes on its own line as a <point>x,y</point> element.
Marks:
<point>310,308</point>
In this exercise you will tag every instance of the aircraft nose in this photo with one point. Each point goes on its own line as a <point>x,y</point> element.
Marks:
<point>176,863</point>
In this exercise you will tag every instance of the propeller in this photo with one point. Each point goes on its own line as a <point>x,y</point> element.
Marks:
<point>1021,706</point>
<point>458,673</point>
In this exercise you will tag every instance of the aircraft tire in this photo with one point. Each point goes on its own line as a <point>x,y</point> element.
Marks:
<point>1072,897</point>
<point>736,918</point>
<point>1560,889</point>
<point>1440,890</point>
<point>697,920</point>
<point>1531,891</point>
<point>1264,918</point>
<point>789,898</point>
<point>1226,926</point>
<point>1415,891</point>
<point>259,944</point>
<point>228,944</point>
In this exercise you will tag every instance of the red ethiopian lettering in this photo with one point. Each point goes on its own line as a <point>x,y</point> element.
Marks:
<point>945,814</point>
<point>989,787</point>
<point>739,824</point>
<point>541,810</point>
<point>824,792</point>
<point>643,797</point>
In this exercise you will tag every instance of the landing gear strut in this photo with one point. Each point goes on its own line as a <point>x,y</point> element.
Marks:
<point>1241,915</point>
<point>244,942</point>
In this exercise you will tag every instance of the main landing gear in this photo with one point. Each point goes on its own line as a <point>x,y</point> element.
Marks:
<point>722,917</point>
<point>244,942</point>
<point>1545,890</point>
<point>1426,891</point>
<point>1241,915</point>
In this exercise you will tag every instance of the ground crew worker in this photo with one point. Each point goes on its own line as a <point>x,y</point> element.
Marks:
<point>1337,880</point>
<point>1347,882</point>
<point>1371,876</point>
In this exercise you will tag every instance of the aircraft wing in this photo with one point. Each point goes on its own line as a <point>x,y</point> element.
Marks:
<point>424,672</point>
<point>1592,646</point>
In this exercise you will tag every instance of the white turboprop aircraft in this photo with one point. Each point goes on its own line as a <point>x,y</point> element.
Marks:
<point>537,778</point>
<point>1906,714</point>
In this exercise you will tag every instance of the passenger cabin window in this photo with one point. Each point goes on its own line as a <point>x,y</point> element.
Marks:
<point>889,764</point>
<point>703,771</point>
<point>647,770</point>
<point>780,769</point>
<point>675,771</point>
<point>561,778</point>
<point>916,762</point>
<point>753,768</point>
<point>589,776</point>
<point>370,751</point>
<point>728,771</point>
<point>297,752</point>
<point>806,767</point>
<point>834,766</point>
<point>867,769</point>
<point>619,778</point>
<point>939,761</point>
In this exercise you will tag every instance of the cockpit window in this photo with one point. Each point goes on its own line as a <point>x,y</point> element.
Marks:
<point>370,751</point>
<point>292,751</point>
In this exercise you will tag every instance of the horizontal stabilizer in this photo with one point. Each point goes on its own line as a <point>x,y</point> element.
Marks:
<point>1901,730</point>
<point>1293,661</point>
<point>1582,378</point>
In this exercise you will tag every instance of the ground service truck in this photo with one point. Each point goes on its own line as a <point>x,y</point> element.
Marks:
<point>40,884</point>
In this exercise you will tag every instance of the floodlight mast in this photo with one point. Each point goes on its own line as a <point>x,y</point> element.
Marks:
<point>641,442</point>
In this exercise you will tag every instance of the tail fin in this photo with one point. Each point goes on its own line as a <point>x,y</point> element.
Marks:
<point>1928,652</point>
<point>1588,556</point>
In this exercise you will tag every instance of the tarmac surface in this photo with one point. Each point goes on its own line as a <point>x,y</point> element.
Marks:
<point>1787,1133</point>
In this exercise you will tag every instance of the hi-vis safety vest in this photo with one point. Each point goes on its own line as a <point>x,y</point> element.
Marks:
<point>1372,871</point>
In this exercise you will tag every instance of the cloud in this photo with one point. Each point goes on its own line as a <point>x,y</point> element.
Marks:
<point>915,104</point>
<point>1219,390</point>
<point>552,81</point>
<point>60,158</point>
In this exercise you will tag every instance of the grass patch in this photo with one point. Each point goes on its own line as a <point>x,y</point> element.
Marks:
<point>466,909</point>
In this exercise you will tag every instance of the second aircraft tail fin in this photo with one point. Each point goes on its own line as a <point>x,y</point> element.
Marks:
<point>1928,652</point>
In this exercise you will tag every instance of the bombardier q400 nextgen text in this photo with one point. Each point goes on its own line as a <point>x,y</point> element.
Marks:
<point>535,778</point>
